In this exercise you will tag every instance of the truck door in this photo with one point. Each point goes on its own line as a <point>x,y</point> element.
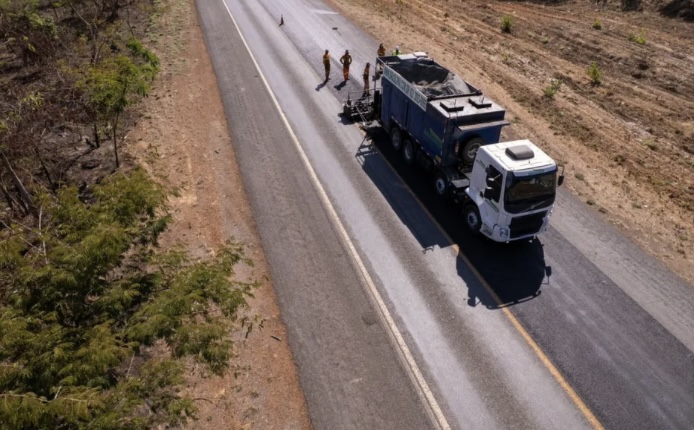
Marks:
<point>489,209</point>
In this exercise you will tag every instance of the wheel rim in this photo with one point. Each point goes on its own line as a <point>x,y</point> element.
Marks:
<point>408,152</point>
<point>440,185</point>
<point>472,219</point>
<point>472,150</point>
<point>395,139</point>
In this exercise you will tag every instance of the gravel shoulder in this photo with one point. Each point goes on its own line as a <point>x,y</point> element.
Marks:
<point>183,139</point>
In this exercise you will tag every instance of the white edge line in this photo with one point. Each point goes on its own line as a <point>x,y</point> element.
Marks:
<point>420,384</point>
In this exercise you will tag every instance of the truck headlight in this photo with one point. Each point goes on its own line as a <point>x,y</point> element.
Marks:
<point>504,232</point>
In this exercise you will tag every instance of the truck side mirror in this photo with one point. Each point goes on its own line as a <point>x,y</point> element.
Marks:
<point>560,181</point>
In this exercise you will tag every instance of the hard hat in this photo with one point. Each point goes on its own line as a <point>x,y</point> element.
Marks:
<point>397,47</point>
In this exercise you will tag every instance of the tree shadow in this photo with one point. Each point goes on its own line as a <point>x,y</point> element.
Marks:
<point>683,9</point>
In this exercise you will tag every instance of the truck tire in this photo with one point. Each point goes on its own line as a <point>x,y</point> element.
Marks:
<point>473,221</point>
<point>470,149</point>
<point>441,184</point>
<point>408,151</point>
<point>396,137</point>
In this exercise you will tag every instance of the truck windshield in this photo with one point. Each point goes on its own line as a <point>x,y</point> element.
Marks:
<point>525,193</point>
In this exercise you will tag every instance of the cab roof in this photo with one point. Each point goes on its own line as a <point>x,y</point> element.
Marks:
<point>504,152</point>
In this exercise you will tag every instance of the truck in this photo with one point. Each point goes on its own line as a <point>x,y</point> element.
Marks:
<point>437,120</point>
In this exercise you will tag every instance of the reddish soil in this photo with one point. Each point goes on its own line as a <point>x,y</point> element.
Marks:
<point>183,139</point>
<point>627,143</point>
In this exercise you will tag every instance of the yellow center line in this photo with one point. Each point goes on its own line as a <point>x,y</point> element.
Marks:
<point>556,374</point>
<point>544,358</point>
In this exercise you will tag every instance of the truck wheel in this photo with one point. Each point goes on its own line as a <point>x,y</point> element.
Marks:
<point>470,149</point>
<point>473,221</point>
<point>441,184</point>
<point>408,151</point>
<point>396,138</point>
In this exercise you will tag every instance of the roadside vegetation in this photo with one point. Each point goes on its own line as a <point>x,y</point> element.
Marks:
<point>98,325</point>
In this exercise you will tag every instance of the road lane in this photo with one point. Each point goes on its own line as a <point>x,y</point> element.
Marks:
<point>344,357</point>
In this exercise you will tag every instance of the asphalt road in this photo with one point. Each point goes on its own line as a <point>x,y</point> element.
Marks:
<point>614,323</point>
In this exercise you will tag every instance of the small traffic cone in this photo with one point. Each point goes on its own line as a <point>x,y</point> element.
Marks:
<point>281,20</point>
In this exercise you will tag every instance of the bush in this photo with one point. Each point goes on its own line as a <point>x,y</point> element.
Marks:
<point>640,38</point>
<point>597,24</point>
<point>595,74</point>
<point>552,88</point>
<point>506,23</point>
<point>83,298</point>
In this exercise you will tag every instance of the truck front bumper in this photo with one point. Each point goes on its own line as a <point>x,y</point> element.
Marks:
<point>506,234</point>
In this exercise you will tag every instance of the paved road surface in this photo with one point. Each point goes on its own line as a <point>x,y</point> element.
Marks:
<point>616,325</point>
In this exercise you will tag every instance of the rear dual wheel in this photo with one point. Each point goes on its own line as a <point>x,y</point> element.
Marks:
<point>396,138</point>
<point>441,184</point>
<point>408,151</point>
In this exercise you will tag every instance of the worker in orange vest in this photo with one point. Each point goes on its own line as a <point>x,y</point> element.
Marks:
<point>379,65</point>
<point>346,61</point>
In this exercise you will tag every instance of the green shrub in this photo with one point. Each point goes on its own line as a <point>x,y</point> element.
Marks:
<point>597,24</point>
<point>85,297</point>
<point>552,88</point>
<point>640,38</point>
<point>506,23</point>
<point>594,73</point>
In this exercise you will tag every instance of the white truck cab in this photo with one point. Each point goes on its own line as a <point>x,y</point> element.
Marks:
<point>512,191</point>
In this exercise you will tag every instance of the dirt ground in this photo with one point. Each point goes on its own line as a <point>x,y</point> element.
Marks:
<point>183,139</point>
<point>627,143</point>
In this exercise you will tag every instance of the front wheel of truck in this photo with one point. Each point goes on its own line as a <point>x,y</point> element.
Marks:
<point>396,138</point>
<point>473,221</point>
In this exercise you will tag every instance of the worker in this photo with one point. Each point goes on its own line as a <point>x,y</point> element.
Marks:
<point>366,80</point>
<point>326,64</point>
<point>346,61</point>
<point>379,64</point>
<point>397,51</point>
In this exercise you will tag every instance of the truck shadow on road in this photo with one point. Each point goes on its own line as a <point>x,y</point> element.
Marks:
<point>513,273</point>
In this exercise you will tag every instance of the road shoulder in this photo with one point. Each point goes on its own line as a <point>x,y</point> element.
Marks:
<point>184,140</point>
